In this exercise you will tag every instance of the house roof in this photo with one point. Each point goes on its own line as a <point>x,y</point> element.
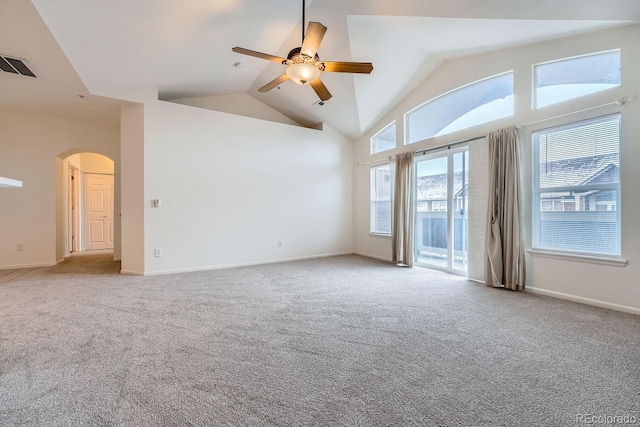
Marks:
<point>599,169</point>
<point>434,187</point>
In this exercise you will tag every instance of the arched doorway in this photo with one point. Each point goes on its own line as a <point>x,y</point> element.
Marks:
<point>87,204</point>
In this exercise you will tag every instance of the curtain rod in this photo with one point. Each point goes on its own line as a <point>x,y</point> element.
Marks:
<point>619,101</point>
<point>448,146</point>
<point>420,152</point>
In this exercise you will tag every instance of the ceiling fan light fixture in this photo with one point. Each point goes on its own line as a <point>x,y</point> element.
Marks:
<point>303,73</point>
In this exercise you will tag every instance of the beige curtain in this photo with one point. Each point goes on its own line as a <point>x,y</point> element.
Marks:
<point>402,230</point>
<point>505,258</point>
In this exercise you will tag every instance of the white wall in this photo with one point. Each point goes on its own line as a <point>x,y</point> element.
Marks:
<point>241,104</point>
<point>29,150</point>
<point>96,163</point>
<point>231,187</point>
<point>615,287</point>
<point>132,175</point>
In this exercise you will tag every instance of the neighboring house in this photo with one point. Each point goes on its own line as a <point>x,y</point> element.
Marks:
<point>583,176</point>
<point>577,202</point>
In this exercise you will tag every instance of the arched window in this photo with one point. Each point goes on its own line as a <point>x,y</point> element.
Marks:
<point>480,102</point>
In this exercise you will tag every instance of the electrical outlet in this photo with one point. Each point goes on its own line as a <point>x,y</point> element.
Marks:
<point>279,244</point>
<point>19,247</point>
<point>157,252</point>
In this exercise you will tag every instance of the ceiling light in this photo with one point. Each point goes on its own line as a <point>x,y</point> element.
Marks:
<point>302,73</point>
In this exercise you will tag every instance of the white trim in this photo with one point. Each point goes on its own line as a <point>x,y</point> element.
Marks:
<point>588,301</point>
<point>248,264</point>
<point>19,266</point>
<point>10,183</point>
<point>374,234</point>
<point>376,162</point>
<point>616,262</point>
<point>131,273</point>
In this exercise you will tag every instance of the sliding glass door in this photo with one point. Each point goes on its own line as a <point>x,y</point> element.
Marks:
<point>441,216</point>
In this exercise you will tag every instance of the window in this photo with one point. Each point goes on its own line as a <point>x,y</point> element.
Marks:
<point>441,216</point>
<point>384,140</point>
<point>576,187</point>
<point>381,199</point>
<point>480,102</point>
<point>570,78</point>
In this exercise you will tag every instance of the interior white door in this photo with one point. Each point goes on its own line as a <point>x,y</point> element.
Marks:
<point>99,211</point>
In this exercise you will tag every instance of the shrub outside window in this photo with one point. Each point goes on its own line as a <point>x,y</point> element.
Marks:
<point>576,187</point>
<point>480,102</point>
<point>570,78</point>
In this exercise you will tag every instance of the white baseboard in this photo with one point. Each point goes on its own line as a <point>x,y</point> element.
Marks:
<point>131,273</point>
<point>247,264</point>
<point>18,266</point>
<point>379,258</point>
<point>589,301</point>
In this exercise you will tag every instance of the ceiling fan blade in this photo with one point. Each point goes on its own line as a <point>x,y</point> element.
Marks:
<point>312,39</point>
<point>258,54</point>
<point>348,67</point>
<point>273,83</point>
<point>321,90</point>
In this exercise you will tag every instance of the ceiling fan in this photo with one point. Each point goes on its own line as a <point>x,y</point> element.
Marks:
<point>304,65</point>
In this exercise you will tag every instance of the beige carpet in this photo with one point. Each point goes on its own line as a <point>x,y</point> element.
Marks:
<point>335,341</point>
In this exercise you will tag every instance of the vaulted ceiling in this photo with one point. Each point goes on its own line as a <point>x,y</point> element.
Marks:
<point>183,48</point>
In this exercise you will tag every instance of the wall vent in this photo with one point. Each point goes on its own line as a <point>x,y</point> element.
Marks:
<point>16,66</point>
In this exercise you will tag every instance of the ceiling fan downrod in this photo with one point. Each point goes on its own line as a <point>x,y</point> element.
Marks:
<point>303,11</point>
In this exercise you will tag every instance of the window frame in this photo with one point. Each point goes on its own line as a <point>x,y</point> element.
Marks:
<point>450,92</point>
<point>534,87</point>
<point>373,198</point>
<point>536,199</point>
<point>395,141</point>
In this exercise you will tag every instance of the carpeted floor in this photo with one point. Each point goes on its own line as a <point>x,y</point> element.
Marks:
<point>343,341</point>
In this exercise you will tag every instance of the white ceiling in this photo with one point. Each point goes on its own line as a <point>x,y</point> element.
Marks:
<point>183,48</point>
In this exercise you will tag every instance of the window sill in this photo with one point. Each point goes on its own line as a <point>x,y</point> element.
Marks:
<point>616,262</point>
<point>372,234</point>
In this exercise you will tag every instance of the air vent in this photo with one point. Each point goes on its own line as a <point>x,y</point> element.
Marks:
<point>16,66</point>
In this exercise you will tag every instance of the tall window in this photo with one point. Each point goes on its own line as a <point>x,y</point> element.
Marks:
<point>381,199</point>
<point>442,217</point>
<point>474,104</point>
<point>576,187</point>
<point>570,78</point>
<point>384,140</point>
